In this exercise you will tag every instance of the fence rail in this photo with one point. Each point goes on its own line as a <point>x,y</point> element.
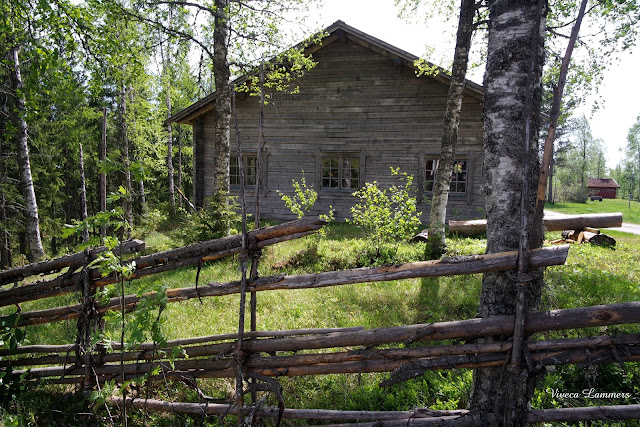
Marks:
<point>216,356</point>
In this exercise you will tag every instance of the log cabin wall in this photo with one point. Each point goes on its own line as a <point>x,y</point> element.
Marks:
<point>360,104</point>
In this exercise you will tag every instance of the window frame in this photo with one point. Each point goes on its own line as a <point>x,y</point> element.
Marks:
<point>340,157</point>
<point>245,163</point>
<point>454,179</point>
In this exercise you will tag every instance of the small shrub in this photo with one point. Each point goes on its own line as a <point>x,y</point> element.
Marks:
<point>301,203</point>
<point>573,194</point>
<point>302,200</point>
<point>213,221</point>
<point>389,217</point>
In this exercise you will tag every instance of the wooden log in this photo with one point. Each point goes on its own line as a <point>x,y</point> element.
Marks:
<point>272,412</point>
<point>565,222</point>
<point>54,265</point>
<point>467,329</point>
<point>254,360</point>
<point>533,416</point>
<point>26,349</point>
<point>164,261</point>
<point>207,368</point>
<point>555,255</point>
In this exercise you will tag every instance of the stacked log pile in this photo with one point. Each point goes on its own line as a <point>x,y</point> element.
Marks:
<point>586,235</point>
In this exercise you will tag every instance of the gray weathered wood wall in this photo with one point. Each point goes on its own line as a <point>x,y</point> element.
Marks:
<point>361,100</point>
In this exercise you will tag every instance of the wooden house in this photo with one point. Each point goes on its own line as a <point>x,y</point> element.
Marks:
<point>360,111</point>
<point>607,188</point>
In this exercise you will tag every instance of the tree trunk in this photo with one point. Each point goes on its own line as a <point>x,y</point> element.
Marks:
<point>83,196</point>
<point>222,109</point>
<point>179,162</point>
<point>172,194</point>
<point>547,161</point>
<point>436,242</point>
<point>514,64</point>
<point>122,119</point>
<point>550,185</point>
<point>5,247</point>
<point>638,172</point>
<point>35,249</point>
<point>143,197</point>
<point>102,156</point>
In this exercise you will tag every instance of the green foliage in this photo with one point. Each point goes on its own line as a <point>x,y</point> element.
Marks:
<point>631,179</point>
<point>388,216</point>
<point>572,193</point>
<point>213,221</point>
<point>582,158</point>
<point>301,203</point>
<point>303,198</point>
<point>10,338</point>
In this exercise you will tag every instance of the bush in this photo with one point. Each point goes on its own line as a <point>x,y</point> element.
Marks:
<point>302,201</point>
<point>213,221</point>
<point>388,218</point>
<point>573,194</point>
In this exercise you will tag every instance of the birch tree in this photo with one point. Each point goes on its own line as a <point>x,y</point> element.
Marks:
<point>436,241</point>
<point>512,94</point>
<point>633,148</point>
<point>13,38</point>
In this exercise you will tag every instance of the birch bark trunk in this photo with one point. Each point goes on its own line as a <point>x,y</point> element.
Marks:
<point>437,218</point>
<point>35,251</point>
<point>166,61</point>
<point>222,110</point>
<point>179,162</point>
<point>102,155</point>
<point>5,247</point>
<point>514,64</point>
<point>122,118</point>
<point>83,195</point>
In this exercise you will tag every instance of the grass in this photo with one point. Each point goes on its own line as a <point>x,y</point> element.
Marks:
<point>592,275</point>
<point>631,215</point>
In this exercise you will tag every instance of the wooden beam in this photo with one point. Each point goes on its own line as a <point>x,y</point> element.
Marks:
<point>78,259</point>
<point>564,222</point>
<point>164,261</point>
<point>555,255</point>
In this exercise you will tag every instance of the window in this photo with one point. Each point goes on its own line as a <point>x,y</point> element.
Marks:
<point>341,172</point>
<point>250,165</point>
<point>458,180</point>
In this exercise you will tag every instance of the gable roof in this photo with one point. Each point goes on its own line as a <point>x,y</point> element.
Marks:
<point>337,31</point>
<point>602,183</point>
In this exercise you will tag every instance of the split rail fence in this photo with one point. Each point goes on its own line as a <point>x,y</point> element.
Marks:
<point>325,351</point>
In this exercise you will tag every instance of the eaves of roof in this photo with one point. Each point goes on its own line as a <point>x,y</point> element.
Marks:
<point>336,31</point>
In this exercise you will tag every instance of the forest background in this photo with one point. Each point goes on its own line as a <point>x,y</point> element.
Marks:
<point>80,75</point>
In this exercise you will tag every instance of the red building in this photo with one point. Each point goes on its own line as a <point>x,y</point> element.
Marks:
<point>607,188</point>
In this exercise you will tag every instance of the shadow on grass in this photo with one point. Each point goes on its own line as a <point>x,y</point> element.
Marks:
<point>428,299</point>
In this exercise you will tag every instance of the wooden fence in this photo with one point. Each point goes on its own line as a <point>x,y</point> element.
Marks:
<point>325,350</point>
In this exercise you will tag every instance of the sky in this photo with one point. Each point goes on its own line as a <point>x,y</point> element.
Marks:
<point>619,93</point>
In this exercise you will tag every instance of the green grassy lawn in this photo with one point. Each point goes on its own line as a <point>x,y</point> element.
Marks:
<point>631,215</point>
<point>592,275</point>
